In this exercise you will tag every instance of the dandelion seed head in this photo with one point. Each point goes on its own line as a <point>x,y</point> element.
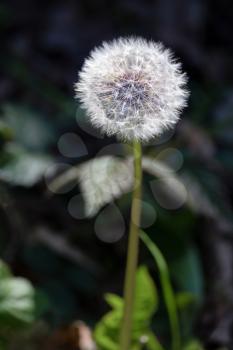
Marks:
<point>132,88</point>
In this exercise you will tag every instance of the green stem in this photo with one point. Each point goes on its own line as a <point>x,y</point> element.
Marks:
<point>132,254</point>
<point>168,293</point>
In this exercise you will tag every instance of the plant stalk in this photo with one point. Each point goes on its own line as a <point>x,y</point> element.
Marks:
<point>132,254</point>
<point>169,295</point>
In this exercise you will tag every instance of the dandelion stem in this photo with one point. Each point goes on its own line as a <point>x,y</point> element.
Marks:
<point>132,254</point>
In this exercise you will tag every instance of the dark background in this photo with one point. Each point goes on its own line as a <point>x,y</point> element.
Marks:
<point>43,45</point>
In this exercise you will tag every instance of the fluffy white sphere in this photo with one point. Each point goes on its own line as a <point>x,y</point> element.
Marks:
<point>132,88</point>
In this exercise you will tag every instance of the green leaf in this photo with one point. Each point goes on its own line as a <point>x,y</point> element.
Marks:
<point>193,345</point>
<point>146,303</point>
<point>106,335</point>
<point>4,271</point>
<point>20,304</point>
<point>17,304</point>
<point>104,179</point>
<point>114,301</point>
<point>146,298</point>
<point>152,342</point>
<point>23,168</point>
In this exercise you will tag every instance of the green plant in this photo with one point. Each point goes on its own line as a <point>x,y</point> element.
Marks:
<point>133,89</point>
<point>20,304</point>
<point>107,331</point>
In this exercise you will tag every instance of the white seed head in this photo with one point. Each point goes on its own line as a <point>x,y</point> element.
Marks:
<point>132,88</point>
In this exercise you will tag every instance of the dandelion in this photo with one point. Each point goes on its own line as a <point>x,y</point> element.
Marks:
<point>132,88</point>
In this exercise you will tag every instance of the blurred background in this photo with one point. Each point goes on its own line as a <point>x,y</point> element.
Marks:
<point>68,261</point>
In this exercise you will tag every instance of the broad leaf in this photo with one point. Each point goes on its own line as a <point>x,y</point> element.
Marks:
<point>20,304</point>
<point>104,179</point>
<point>17,304</point>
<point>23,168</point>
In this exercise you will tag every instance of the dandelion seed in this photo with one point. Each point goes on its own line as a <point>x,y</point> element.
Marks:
<point>132,88</point>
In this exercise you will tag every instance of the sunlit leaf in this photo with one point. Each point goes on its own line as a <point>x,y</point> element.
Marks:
<point>16,301</point>
<point>23,168</point>
<point>104,179</point>
<point>20,303</point>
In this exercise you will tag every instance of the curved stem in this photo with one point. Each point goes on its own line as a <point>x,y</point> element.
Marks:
<point>168,293</point>
<point>132,254</point>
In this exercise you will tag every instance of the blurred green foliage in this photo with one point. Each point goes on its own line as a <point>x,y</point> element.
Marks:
<point>20,304</point>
